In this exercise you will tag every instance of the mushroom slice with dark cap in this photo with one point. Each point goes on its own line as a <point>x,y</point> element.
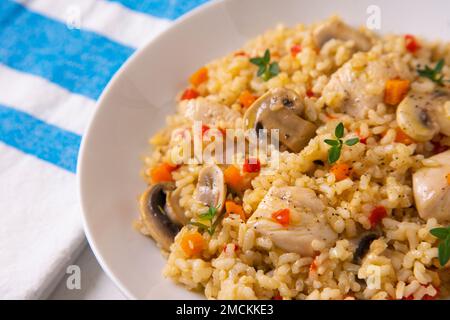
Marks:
<point>155,219</point>
<point>363,245</point>
<point>211,188</point>
<point>281,109</point>
<point>336,29</point>
<point>423,115</point>
<point>173,208</point>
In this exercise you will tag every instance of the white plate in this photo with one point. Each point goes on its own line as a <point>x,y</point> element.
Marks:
<point>141,94</point>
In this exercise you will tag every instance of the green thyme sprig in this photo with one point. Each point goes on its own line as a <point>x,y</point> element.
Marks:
<point>434,74</point>
<point>266,70</point>
<point>443,234</point>
<point>336,144</point>
<point>208,217</point>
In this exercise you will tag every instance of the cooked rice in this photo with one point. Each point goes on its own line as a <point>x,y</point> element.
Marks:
<point>403,259</point>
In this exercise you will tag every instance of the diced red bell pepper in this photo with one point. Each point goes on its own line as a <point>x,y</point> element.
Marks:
<point>295,50</point>
<point>310,93</point>
<point>377,214</point>
<point>411,43</point>
<point>205,128</point>
<point>189,94</point>
<point>252,166</point>
<point>363,140</point>
<point>277,297</point>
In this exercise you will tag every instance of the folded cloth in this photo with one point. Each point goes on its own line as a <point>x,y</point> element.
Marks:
<point>55,59</point>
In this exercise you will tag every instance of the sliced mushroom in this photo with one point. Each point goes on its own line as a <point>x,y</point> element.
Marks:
<point>281,109</point>
<point>307,220</point>
<point>336,29</point>
<point>431,189</point>
<point>363,246</point>
<point>173,208</point>
<point>156,221</point>
<point>422,115</point>
<point>211,187</point>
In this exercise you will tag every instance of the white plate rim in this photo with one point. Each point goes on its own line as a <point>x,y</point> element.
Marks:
<point>79,169</point>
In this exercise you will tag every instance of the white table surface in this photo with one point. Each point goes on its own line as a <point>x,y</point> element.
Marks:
<point>95,284</point>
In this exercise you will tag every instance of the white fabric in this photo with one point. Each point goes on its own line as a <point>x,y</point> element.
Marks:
<point>50,102</point>
<point>40,223</point>
<point>40,220</point>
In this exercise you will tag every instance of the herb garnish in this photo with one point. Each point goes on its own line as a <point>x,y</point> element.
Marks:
<point>208,217</point>
<point>266,70</point>
<point>336,144</point>
<point>443,234</point>
<point>435,74</point>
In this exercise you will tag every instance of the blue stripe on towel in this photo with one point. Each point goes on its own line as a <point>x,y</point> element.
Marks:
<point>168,9</point>
<point>80,61</point>
<point>42,140</point>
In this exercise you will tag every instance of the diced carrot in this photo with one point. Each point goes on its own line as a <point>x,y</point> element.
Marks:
<point>200,76</point>
<point>396,90</point>
<point>282,217</point>
<point>246,99</point>
<point>362,139</point>
<point>240,53</point>
<point>252,165</point>
<point>313,266</point>
<point>376,215</point>
<point>295,50</point>
<point>341,171</point>
<point>232,207</point>
<point>233,178</point>
<point>189,94</point>
<point>331,116</point>
<point>411,43</point>
<point>402,137</point>
<point>192,243</point>
<point>275,55</point>
<point>448,178</point>
<point>162,172</point>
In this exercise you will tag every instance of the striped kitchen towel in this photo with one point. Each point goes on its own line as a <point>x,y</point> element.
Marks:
<point>55,59</point>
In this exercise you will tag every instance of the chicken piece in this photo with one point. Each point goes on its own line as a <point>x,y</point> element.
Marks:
<point>432,189</point>
<point>358,86</point>
<point>334,28</point>
<point>208,112</point>
<point>307,220</point>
